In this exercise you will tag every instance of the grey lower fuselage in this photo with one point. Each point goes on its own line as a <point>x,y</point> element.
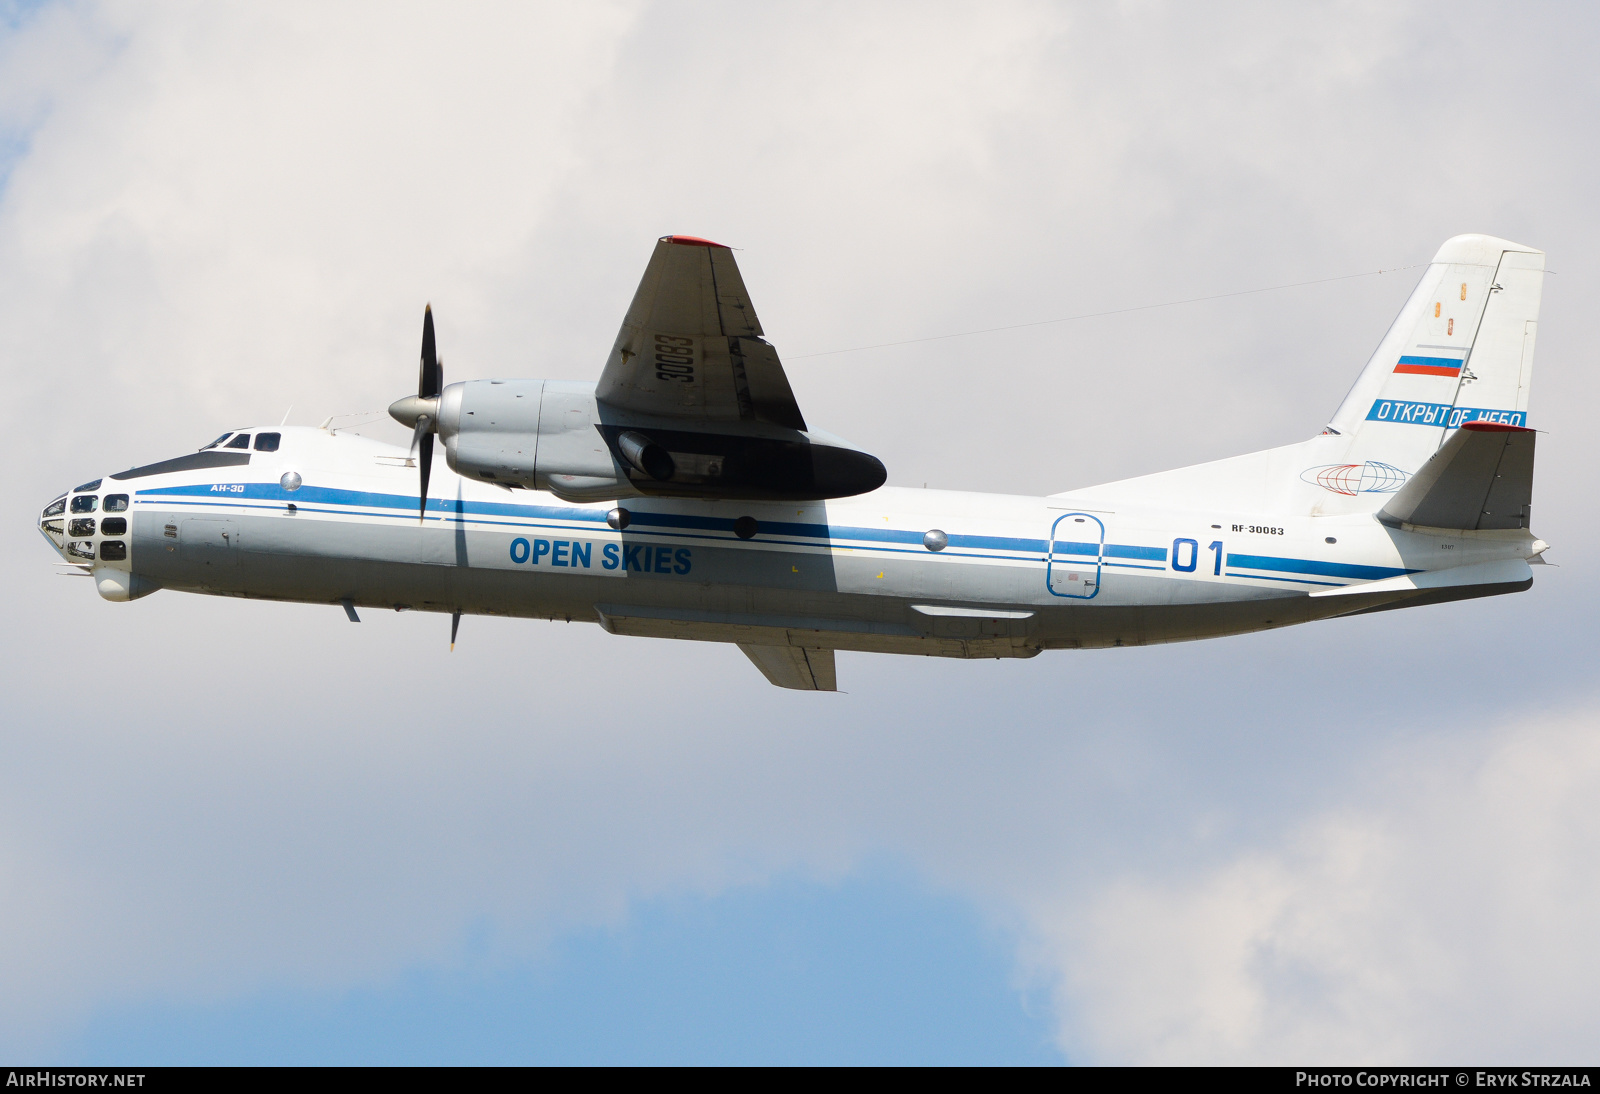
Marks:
<point>1017,574</point>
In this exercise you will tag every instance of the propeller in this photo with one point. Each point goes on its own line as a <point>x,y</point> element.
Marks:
<point>421,411</point>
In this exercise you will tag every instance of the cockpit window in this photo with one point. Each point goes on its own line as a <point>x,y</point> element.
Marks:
<point>56,508</point>
<point>240,441</point>
<point>86,487</point>
<point>267,442</point>
<point>84,503</point>
<point>219,440</point>
<point>116,503</point>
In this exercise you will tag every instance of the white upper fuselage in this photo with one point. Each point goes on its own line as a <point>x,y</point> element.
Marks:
<point>1015,575</point>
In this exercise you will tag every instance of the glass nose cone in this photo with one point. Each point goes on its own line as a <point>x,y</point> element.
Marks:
<point>53,523</point>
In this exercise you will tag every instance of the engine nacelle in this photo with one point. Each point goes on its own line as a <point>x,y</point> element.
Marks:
<point>555,435</point>
<point>535,433</point>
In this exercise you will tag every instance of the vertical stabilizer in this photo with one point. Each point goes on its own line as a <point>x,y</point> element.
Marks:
<point>1461,351</point>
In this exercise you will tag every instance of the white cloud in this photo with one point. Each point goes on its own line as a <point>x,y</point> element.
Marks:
<point>1446,914</point>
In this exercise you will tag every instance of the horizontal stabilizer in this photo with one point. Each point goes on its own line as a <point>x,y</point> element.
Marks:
<point>794,667</point>
<point>1481,478</point>
<point>1503,572</point>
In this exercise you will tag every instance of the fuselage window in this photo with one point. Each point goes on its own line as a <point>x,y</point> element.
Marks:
<point>116,503</point>
<point>113,550</point>
<point>114,526</point>
<point>267,442</point>
<point>81,526</point>
<point>56,508</point>
<point>84,503</point>
<point>241,441</point>
<point>86,487</point>
<point>218,441</point>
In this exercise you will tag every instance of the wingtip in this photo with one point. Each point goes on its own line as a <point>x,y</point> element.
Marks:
<point>1495,427</point>
<point>694,241</point>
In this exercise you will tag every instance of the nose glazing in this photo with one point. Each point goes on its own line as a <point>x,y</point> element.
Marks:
<point>52,522</point>
<point>85,526</point>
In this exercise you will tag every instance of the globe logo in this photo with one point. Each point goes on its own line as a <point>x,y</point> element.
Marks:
<point>1371,477</point>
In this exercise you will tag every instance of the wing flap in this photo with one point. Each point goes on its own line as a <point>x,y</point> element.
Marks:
<point>764,385</point>
<point>794,667</point>
<point>1480,478</point>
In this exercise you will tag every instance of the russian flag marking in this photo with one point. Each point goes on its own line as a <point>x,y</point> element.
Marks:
<point>1429,366</point>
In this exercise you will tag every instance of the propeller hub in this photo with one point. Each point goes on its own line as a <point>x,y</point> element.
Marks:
<point>413,408</point>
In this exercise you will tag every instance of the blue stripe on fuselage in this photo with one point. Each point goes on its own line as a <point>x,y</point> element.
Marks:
<point>1311,566</point>
<point>665,523</point>
<point>460,507</point>
<point>327,495</point>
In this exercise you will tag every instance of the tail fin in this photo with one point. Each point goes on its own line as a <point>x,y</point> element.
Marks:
<point>1461,351</point>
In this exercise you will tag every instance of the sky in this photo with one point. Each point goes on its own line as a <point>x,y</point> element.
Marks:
<point>248,832</point>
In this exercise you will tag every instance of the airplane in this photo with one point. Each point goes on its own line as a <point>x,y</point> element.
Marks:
<point>684,495</point>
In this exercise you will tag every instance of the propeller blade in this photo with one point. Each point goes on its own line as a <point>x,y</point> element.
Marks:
<point>430,381</point>
<point>429,374</point>
<point>455,625</point>
<point>425,462</point>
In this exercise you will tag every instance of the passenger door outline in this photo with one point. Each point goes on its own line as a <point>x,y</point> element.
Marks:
<point>1073,561</point>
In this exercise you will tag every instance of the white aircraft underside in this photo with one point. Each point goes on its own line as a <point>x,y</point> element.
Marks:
<point>684,497</point>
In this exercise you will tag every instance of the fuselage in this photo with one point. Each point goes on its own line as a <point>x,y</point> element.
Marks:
<point>332,518</point>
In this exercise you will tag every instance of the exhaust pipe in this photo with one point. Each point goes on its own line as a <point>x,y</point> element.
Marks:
<point>646,455</point>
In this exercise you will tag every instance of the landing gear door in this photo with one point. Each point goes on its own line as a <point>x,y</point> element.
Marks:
<point>1072,567</point>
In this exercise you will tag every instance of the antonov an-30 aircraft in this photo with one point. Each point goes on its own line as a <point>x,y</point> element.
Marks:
<point>684,495</point>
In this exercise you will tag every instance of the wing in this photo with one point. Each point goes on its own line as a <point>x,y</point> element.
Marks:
<point>793,667</point>
<point>691,346</point>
